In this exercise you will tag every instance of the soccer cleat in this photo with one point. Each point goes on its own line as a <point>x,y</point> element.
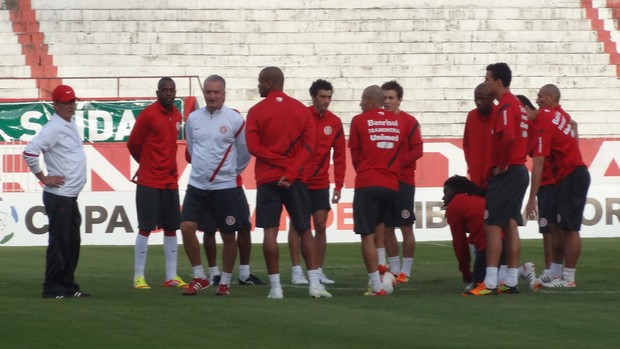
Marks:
<point>140,284</point>
<point>469,286</point>
<point>77,294</point>
<point>51,295</point>
<point>176,282</point>
<point>505,289</point>
<point>319,292</point>
<point>222,290</point>
<point>299,279</point>
<point>275,293</point>
<point>559,283</point>
<point>215,280</point>
<point>528,272</point>
<point>371,293</point>
<point>402,278</point>
<point>543,279</point>
<point>325,280</point>
<point>251,280</point>
<point>481,290</point>
<point>195,286</point>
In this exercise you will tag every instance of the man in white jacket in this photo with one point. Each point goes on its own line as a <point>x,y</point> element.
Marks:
<point>65,160</point>
<point>217,149</point>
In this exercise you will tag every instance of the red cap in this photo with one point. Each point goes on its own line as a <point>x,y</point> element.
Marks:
<point>63,93</point>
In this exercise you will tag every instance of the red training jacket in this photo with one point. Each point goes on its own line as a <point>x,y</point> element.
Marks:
<point>281,134</point>
<point>153,144</point>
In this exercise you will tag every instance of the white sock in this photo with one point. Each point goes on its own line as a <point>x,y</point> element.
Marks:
<point>199,272</point>
<point>244,272</point>
<point>225,278</point>
<point>314,277</point>
<point>381,256</point>
<point>568,274</point>
<point>296,269</point>
<point>214,271</point>
<point>274,280</point>
<point>556,270</point>
<point>490,280</point>
<point>394,263</point>
<point>407,265</point>
<point>375,281</point>
<point>546,272</point>
<point>170,252</point>
<point>139,254</point>
<point>512,277</point>
<point>501,273</point>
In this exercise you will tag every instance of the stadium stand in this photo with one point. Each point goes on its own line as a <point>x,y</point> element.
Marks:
<point>437,50</point>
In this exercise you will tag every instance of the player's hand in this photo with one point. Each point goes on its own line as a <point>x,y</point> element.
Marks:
<point>531,210</point>
<point>283,182</point>
<point>336,197</point>
<point>53,181</point>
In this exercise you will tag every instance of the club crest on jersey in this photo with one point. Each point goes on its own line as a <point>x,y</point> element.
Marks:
<point>223,129</point>
<point>327,130</point>
<point>405,214</point>
<point>230,220</point>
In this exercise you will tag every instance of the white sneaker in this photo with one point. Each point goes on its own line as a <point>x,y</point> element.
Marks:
<point>559,282</point>
<point>542,279</point>
<point>319,292</point>
<point>275,293</point>
<point>325,280</point>
<point>298,279</point>
<point>528,272</point>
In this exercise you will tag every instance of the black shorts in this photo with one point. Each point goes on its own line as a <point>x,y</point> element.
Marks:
<point>157,208</point>
<point>547,213</point>
<point>370,206</point>
<point>319,200</point>
<point>228,214</point>
<point>403,213</point>
<point>505,196</point>
<point>270,198</point>
<point>570,198</point>
<point>208,224</point>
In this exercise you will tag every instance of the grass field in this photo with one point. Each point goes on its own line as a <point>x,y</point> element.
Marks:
<point>428,313</point>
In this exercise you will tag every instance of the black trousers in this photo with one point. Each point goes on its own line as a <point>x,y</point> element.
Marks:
<point>63,250</point>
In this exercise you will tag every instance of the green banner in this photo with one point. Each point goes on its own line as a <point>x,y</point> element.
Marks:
<point>98,121</point>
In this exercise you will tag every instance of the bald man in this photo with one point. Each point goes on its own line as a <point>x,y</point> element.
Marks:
<point>375,141</point>
<point>558,161</point>
<point>280,133</point>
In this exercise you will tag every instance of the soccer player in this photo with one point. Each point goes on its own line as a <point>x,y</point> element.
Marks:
<point>217,147</point>
<point>375,141</point>
<point>556,154</point>
<point>507,184</point>
<point>464,203</point>
<point>478,135</point>
<point>281,135</point>
<point>63,153</point>
<point>153,144</point>
<point>404,214</point>
<point>330,136</point>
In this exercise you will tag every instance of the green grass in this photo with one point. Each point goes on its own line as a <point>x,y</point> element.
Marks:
<point>429,313</point>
